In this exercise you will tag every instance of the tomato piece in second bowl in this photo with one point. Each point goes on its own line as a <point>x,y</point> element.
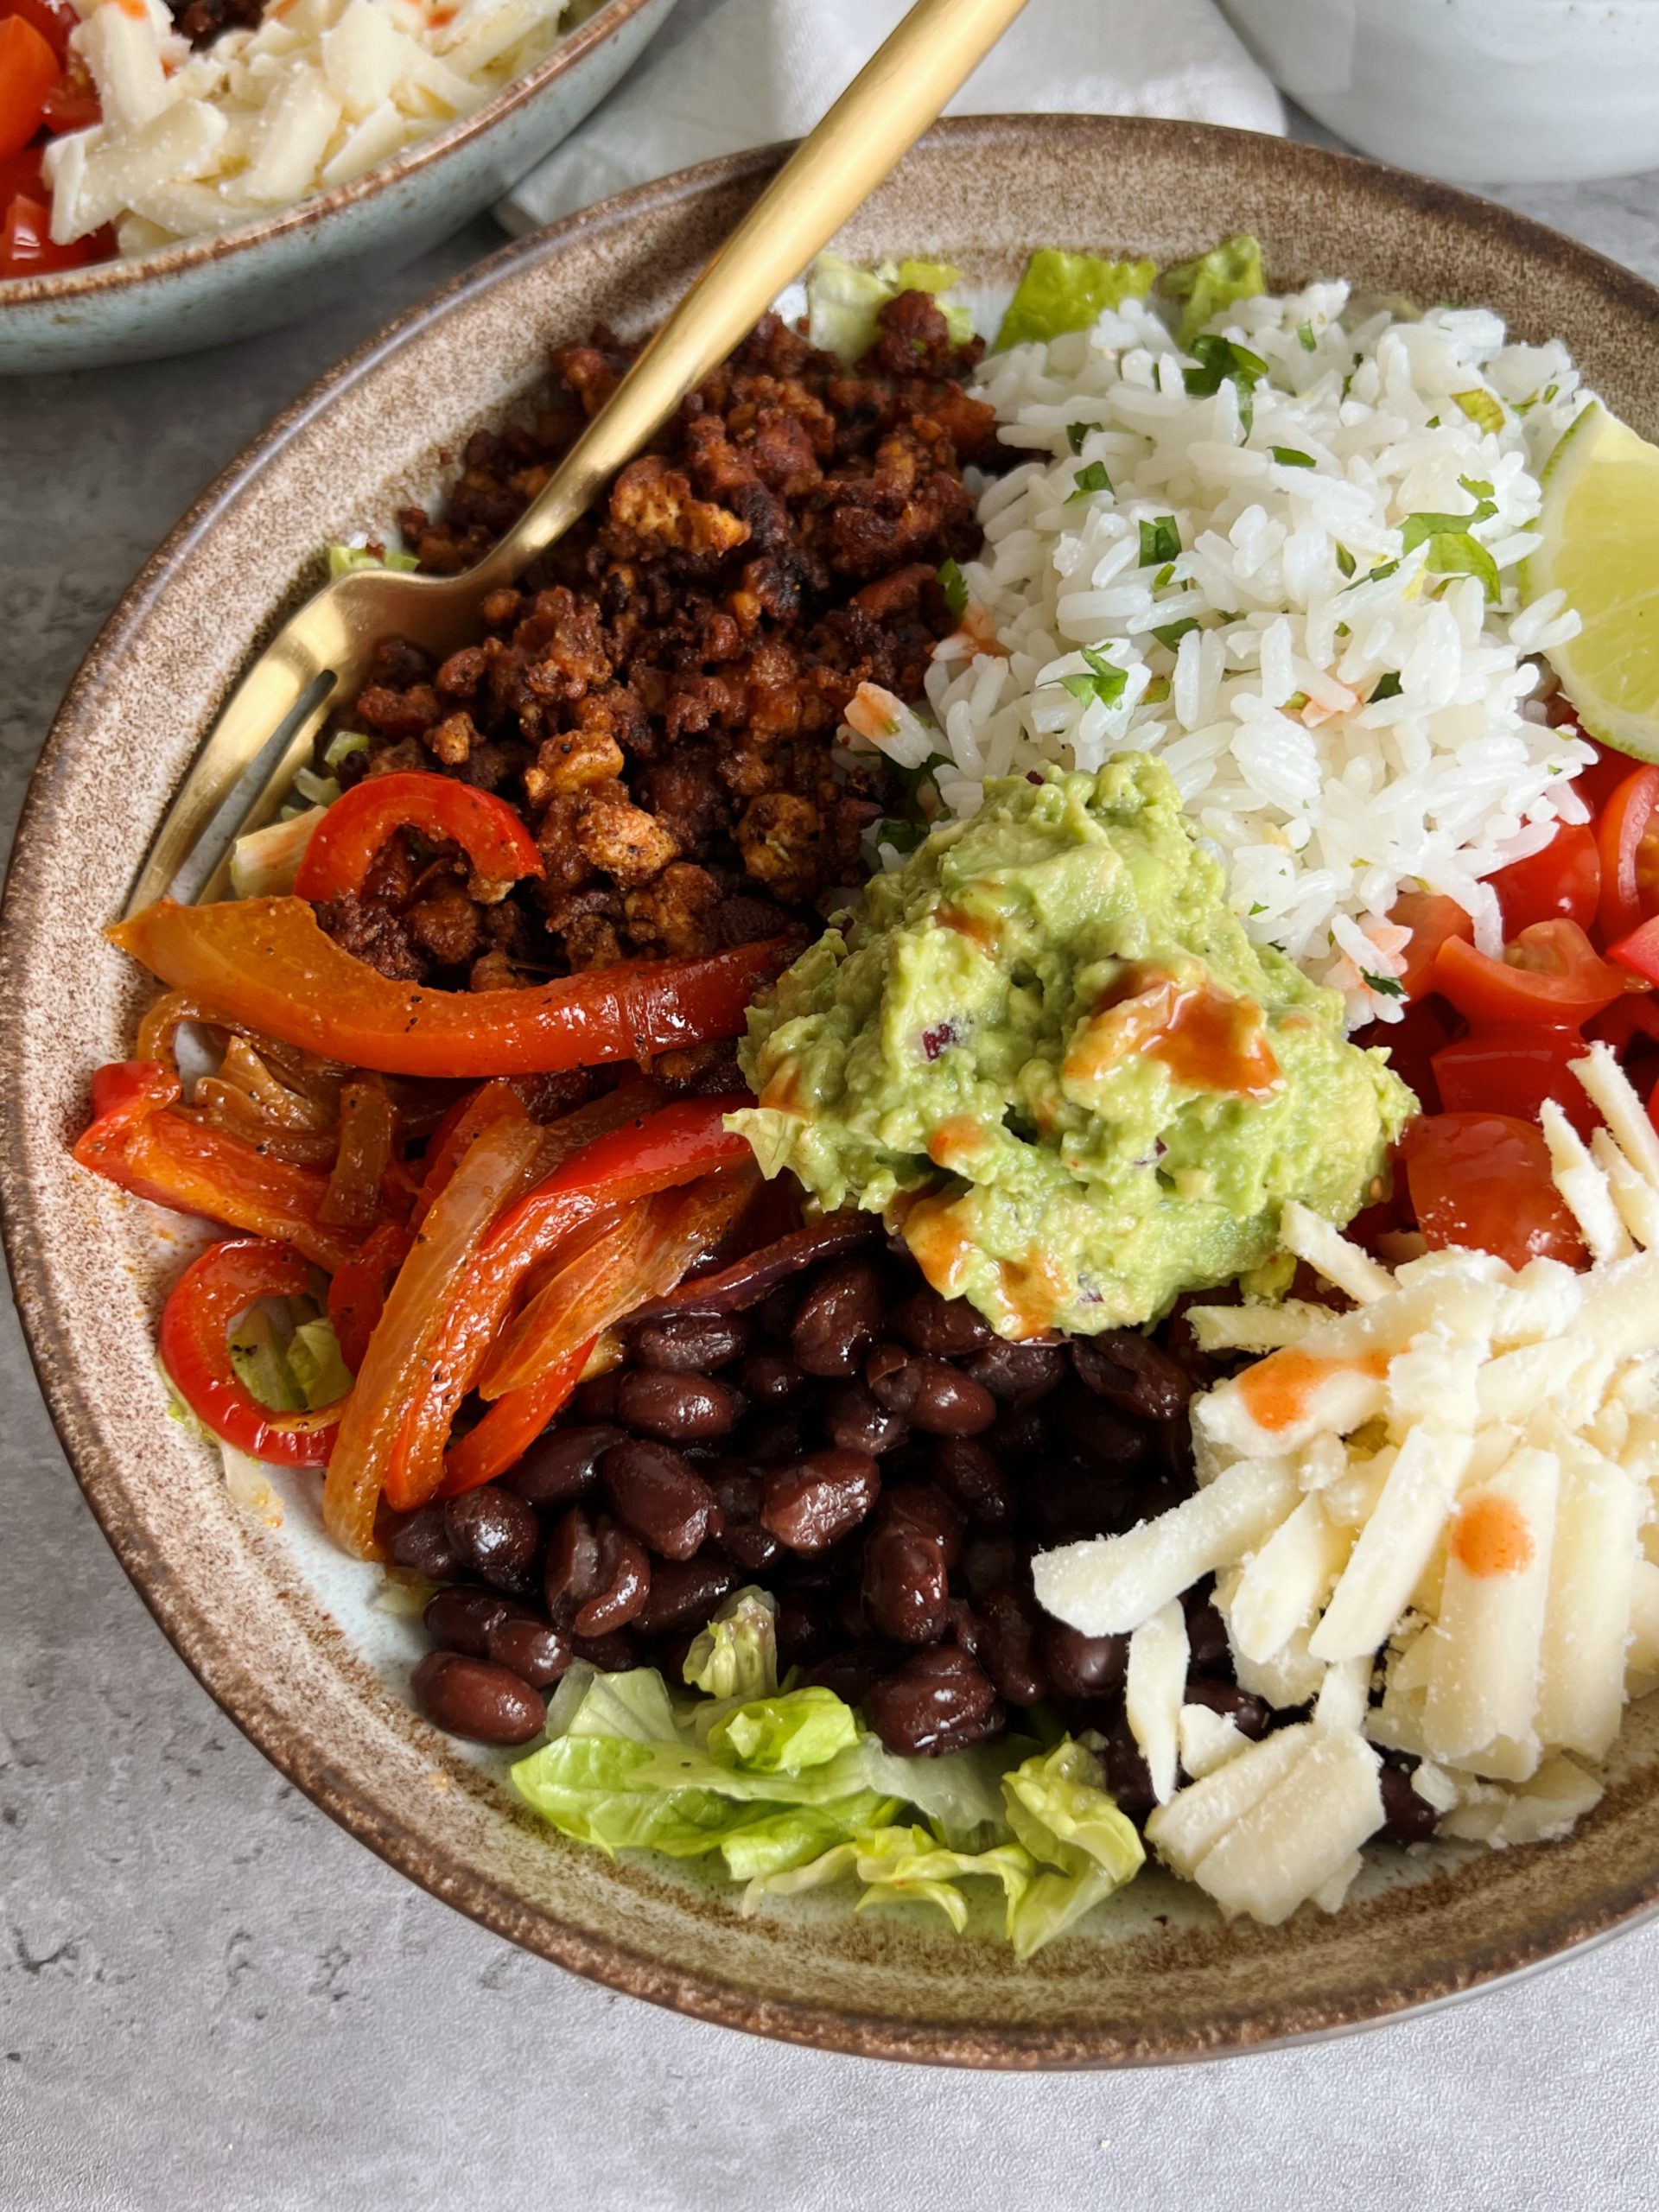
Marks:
<point>1482,1180</point>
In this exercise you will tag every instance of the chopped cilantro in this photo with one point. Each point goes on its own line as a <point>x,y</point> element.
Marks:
<point>1077,432</point>
<point>1161,541</point>
<point>1387,687</point>
<point>953,584</point>
<point>1171,633</point>
<point>1089,479</point>
<point>1104,680</point>
<point>1483,408</point>
<point>1345,561</point>
<point>1223,360</point>
<point>1156,692</point>
<point>1165,575</point>
<point>1305,332</point>
<point>1390,987</point>
<point>1290,457</point>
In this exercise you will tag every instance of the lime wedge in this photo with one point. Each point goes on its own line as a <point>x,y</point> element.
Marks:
<point>1600,526</point>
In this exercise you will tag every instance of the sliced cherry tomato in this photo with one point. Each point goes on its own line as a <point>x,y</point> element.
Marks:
<point>53,19</point>
<point>1512,1071</point>
<point>1596,784</point>
<point>21,172</point>
<point>267,963</point>
<point>72,105</point>
<point>345,843</point>
<point>1639,952</point>
<point>1482,1180</point>
<point>209,1297</point>
<point>1411,1044</point>
<point>1564,881</point>
<point>27,248</point>
<point>1431,918</point>
<point>1634,1016</point>
<point>29,69</point>
<point>1629,843</point>
<point>1551,974</point>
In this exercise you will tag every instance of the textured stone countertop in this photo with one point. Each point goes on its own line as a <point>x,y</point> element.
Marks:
<point>212,1999</point>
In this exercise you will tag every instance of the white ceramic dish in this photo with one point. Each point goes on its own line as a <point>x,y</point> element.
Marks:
<point>232,285</point>
<point>1479,91</point>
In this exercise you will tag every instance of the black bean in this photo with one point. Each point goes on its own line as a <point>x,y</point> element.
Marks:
<point>561,1464</point>
<point>854,1420</point>
<point>932,1394</point>
<point>906,1588</point>
<point>928,1511</point>
<point>678,1409</point>
<point>739,1494</point>
<point>1023,1370</point>
<point>749,1545</point>
<point>1247,1713</point>
<point>461,1619</point>
<point>1099,1431</point>
<point>596,1400</point>
<point>1132,1373</point>
<point>849,1612</point>
<point>776,1312</point>
<point>778,1432</point>
<point>613,1655</point>
<point>964,1627</point>
<point>683,1593</point>
<point>947,1328</point>
<point>1008,1649</point>
<point>691,1343</point>
<point>853,1672</point>
<point>767,1374</point>
<point>990,1561</point>
<point>815,1500</point>
<point>936,1702</point>
<point>660,1497</point>
<point>421,1544</point>
<point>1407,1818</point>
<point>472,1698</point>
<point>835,1323</point>
<point>972,1479</point>
<point>538,1654</point>
<point>497,1534</point>
<point>1211,1653</point>
<point>1074,1500</point>
<point>1128,1777</point>
<point>597,1576</point>
<point>1019,1437</point>
<point>1082,1665</point>
<point>803,1631</point>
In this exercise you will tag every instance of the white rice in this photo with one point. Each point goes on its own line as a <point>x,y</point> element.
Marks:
<point>1323,807</point>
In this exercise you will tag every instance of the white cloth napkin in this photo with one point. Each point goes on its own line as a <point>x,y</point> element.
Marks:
<point>727,74</point>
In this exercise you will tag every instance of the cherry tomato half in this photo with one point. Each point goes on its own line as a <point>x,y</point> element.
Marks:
<point>29,69</point>
<point>1431,918</point>
<point>1628,841</point>
<point>1512,1071</point>
<point>53,19</point>
<point>1482,1180</point>
<point>27,248</point>
<point>1551,974</point>
<point>1561,882</point>
<point>1412,1046</point>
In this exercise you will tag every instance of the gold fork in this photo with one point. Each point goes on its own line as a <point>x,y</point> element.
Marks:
<point>267,728</point>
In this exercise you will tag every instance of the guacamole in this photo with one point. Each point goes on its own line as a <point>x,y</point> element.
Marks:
<point>1049,1054</point>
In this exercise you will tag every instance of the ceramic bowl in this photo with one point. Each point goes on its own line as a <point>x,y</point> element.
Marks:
<point>1482,92</point>
<point>208,290</point>
<point>289,1637</point>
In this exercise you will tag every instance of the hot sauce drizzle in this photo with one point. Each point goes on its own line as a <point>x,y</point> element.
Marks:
<point>1490,1537</point>
<point>1279,1391</point>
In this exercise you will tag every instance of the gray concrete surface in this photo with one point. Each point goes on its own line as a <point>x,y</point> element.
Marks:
<point>210,1997</point>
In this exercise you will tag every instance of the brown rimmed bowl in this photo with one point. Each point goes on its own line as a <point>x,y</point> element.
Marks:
<point>296,1644</point>
<point>268,270</point>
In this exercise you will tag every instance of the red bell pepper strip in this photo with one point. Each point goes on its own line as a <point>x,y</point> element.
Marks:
<point>466,1120</point>
<point>208,1298</point>
<point>266,962</point>
<point>1551,974</point>
<point>1622,834</point>
<point>511,1425</point>
<point>655,1149</point>
<point>368,1128</point>
<point>345,843</point>
<point>356,1292</point>
<point>29,69</point>
<point>137,1140</point>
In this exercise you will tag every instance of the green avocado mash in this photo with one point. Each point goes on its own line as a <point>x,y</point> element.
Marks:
<point>1046,1050</point>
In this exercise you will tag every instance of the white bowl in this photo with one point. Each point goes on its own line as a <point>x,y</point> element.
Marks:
<point>1480,91</point>
<point>208,290</point>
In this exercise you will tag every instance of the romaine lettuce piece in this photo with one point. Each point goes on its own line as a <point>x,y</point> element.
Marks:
<point>1069,291</point>
<point>785,1734</point>
<point>314,1360</point>
<point>1059,1808</point>
<point>259,1361</point>
<point>736,1655</point>
<point>841,300</point>
<point>1212,281</point>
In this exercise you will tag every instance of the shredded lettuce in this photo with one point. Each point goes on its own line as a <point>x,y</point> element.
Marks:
<point>842,300</point>
<point>345,560</point>
<point>1484,409</point>
<point>316,1364</point>
<point>294,1373</point>
<point>1210,282</point>
<point>787,1788</point>
<point>343,744</point>
<point>1069,291</point>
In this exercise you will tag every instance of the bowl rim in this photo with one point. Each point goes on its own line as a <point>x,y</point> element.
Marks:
<point>95,1464</point>
<point>98,278</point>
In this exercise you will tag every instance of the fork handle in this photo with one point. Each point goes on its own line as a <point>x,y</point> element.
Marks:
<point>899,92</point>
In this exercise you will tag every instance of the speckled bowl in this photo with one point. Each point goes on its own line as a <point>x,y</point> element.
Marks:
<point>251,279</point>
<point>289,1638</point>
